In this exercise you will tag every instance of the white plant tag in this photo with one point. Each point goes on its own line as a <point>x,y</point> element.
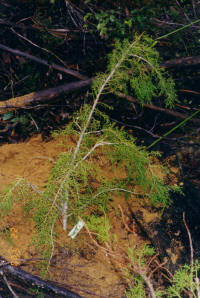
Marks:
<point>76,229</point>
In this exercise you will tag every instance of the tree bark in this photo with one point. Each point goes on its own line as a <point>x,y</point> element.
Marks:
<point>41,61</point>
<point>26,280</point>
<point>30,98</point>
<point>181,62</point>
<point>159,109</point>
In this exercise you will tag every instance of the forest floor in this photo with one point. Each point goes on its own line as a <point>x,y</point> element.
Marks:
<point>82,264</point>
<point>77,264</point>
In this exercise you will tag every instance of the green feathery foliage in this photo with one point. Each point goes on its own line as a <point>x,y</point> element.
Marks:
<point>184,280</point>
<point>137,271</point>
<point>138,255</point>
<point>140,72</point>
<point>101,226</point>
<point>76,188</point>
<point>137,289</point>
<point>69,192</point>
<point>20,190</point>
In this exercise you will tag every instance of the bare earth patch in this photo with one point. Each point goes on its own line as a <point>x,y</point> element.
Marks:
<point>77,264</point>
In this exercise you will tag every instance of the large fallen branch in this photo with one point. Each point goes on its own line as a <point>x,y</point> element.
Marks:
<point>48,94</point>
<point>30,98</point>
<point>155,108</point>
<point>26,100</point>
<point>182,62</point>
<point>25,280</point>
<point>41,61</point>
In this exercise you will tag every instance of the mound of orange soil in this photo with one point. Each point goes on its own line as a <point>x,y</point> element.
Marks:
<point>81,268</point>
<point>31,160</point>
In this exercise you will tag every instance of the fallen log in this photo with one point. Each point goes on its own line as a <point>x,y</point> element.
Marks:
<point>159,109</point>
<point>181,62</point>
<point>29,281</point>
<point>41,61</point>
<point>47,94</point>
<point>25,100</point>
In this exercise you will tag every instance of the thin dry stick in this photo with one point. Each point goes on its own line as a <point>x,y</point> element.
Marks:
<point>191,252</point>
<point>123,219</point>
<point>41,61</point>
<point>143,272</point>
<point>136,268</point>
<point>190,241</point>
<point>148,283</point>
<point>194,9</point>
<point>108,251</point>
<point>155,269</point>
<point>152,259</point>
<point>156,108</point>
<point>35,45</point>
<point>183,11</point>
<point>9,287</point>
<point>115,189</point>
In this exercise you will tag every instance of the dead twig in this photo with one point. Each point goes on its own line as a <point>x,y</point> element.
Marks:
<point>190,241</point>
<point>30,98</point>
<point>162,110</point>
<point>22,277</point>
<point>191,260</point>
<point>189,91</point>
<point>123,219</point>
<point>160,266</point>
<point>7,284</point>
<point>44,62</point>
<point>122,259</point>
<point>182,62</point>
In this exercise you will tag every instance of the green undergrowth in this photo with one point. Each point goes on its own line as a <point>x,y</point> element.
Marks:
<point>184,282</point>
<point>139,73</point>
<point>77,186</point>
<point>118,151</point>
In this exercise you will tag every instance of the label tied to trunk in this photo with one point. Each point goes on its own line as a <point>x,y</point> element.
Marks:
<point>76,229</point>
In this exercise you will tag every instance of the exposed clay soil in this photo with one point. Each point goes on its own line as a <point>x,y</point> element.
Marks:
<point>77,264</point>
<point>31,160</point>
<point>83,265</point>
